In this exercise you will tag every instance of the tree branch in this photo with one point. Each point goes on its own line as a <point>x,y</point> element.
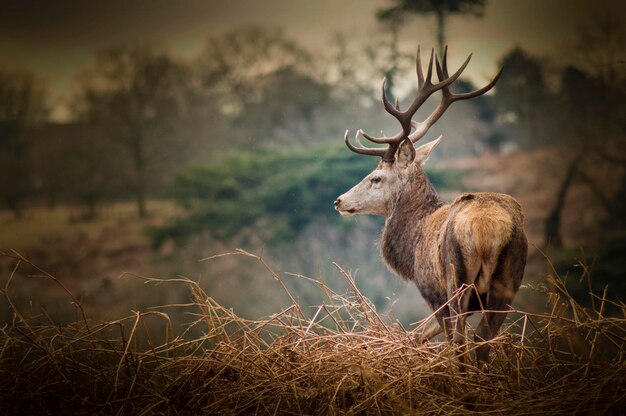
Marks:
<point>595,189</point>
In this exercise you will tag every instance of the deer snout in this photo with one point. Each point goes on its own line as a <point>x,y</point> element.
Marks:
<point>340,207</point>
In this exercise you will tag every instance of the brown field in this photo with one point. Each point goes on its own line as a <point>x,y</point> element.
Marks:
<point>90,256</point>
<point>341,358</point>
<point>84,333</point>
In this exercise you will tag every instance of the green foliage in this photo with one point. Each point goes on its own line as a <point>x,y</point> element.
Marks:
<point>277,193</point>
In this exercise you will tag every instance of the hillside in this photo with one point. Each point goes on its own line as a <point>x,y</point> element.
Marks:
<point>90,256</point>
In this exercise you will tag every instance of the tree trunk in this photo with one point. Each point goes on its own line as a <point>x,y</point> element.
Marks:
<point>615,206</point>
<point>552,226</point>
<point>140,167</point>
<point>390,73</point>
<point>51,199</point>
<point>13,203</point>
<point>441,29</point>
<point>91,208</point>
<point>141,197</point>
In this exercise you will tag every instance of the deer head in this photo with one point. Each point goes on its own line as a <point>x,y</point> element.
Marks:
<point>401,161</point>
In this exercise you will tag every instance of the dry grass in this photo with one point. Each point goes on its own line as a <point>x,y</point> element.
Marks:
<point>342,357</point>
<point>41,225</point>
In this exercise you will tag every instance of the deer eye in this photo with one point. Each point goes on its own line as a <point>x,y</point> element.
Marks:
<point>376,179</point>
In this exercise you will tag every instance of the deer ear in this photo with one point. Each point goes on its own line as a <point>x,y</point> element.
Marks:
<point>405,154</point>
<point>422,153</point>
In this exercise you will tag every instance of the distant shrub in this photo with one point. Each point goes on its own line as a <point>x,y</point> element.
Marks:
<point>277,193</point>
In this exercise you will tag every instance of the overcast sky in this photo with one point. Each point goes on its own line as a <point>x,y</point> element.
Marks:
<point>57,38</point>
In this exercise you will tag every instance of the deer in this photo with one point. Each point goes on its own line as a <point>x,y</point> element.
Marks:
<point>466,256</point>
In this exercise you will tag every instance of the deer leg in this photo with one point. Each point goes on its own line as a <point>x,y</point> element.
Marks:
<point>457,313</point>
<point>458,306</point>
<point>431,328</point>
<point>504,285</point>
<point>459,295</point>
<point>488,328</point>
<point>499,300</point>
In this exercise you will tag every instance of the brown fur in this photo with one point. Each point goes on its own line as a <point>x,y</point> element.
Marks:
<point>477,239</point>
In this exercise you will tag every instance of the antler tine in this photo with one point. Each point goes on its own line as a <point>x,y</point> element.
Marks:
<point>449,80</point>
<point>388,105</point>
<point>441,72</point>
<point>430,68</point>
<point>418,68</point>
<point>481,91</point>
<point>427,89</point>
<point>381,140</point>
<point>364,150</point>
<point>357,140</point>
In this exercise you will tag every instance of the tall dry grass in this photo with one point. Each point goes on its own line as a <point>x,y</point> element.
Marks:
<point>342,357</point>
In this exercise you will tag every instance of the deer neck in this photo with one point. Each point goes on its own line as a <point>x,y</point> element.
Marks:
<point>407,225</point>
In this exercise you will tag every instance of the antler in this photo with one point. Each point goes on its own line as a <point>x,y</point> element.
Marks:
<point>425,89</point>
<point>447,98</point>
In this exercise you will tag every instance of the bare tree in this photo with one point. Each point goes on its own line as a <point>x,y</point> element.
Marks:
<point>74,162</point>
<point>22,103</point>
<point>136,95</point>
<point>600,44</point>
<point>592,123</point>
<point>384,55</point>
<point>266,84</point>
<point>552,229</point>
<point>442,9</point>
<point>522,95</point>
<point>234,61</point>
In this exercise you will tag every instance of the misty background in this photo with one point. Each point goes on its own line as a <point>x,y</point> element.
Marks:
<point>137,139</point>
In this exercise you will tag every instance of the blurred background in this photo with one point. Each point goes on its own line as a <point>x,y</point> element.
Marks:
<point>138,138</point>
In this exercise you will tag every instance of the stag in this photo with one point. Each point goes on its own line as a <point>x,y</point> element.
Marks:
<point>466,256</point>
